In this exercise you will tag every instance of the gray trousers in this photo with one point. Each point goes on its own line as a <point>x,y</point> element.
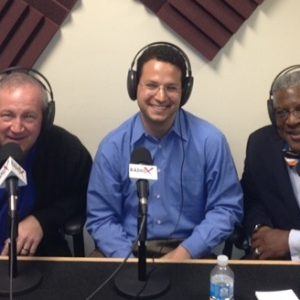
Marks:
<point>155,248</point>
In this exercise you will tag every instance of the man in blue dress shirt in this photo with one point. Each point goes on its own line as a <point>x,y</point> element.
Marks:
<point>197,199</point>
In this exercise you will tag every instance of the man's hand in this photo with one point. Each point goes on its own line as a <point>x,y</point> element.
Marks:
<point>179,253</point>
<point>268,243</point>
<point>30,234</point>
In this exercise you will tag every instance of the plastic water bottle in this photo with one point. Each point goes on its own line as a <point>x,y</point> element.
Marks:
<point>221,280</point>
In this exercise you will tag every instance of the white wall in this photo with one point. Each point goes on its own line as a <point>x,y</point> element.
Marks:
<point>87,64</point>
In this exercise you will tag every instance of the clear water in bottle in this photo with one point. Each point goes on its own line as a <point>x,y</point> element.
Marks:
<point>222,280</point>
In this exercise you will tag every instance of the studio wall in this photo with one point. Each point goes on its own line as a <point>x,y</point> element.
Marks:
<point>88,59</point>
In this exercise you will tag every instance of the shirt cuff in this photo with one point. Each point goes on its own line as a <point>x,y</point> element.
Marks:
<point>194,246</point>
<point>294,244</point>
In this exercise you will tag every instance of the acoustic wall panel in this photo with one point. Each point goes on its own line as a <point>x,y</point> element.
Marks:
<point>27,27</point>
<point>206,24</point>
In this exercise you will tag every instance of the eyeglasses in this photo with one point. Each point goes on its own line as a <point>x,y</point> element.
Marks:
<point>154,88</point>
<point>283,114</point>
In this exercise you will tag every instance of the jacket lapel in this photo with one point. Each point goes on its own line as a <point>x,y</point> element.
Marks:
<point>283,181</point>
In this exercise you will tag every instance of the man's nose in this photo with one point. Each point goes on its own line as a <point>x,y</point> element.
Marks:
<point>161,94</point>
<point>17,126</point>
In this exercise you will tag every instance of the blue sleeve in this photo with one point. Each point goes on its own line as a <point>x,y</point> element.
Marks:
<point>104,205</point>
<point>224,200</point>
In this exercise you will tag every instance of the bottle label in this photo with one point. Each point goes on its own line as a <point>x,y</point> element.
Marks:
<point>221,291</point>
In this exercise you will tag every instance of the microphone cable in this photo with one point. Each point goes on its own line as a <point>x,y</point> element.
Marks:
<point>118,269</point>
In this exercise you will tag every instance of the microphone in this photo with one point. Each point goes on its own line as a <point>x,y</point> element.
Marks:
<point>142,169</point>
<point>156,282</point>
<point>12,175</point>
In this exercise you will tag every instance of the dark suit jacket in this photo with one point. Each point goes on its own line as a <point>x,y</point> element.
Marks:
<point>269,196</point>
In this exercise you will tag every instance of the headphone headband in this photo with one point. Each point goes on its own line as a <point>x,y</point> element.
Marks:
<point>280,74</point>
<point>132,80</point>
<point>36,75</point>
<point>179,50</point>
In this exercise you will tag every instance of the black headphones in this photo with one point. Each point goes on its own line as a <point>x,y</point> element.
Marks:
<point>49,112</point>
<point>132,80</point>
<point>270,102</point>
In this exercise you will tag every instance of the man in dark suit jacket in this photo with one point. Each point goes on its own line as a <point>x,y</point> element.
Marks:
<point>271,180</point>
<point>56,163</point>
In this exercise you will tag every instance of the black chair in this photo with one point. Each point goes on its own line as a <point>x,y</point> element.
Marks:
<point>240,240</point>
<point>74,228</point>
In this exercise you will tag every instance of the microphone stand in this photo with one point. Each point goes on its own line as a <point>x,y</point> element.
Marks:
<point>13,226</point>
<point>142,249</point>
<point>149,285</point>
<point>15,282</point>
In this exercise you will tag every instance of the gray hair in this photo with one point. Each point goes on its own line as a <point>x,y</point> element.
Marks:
<point>285,81</point>
<point>17,78</point>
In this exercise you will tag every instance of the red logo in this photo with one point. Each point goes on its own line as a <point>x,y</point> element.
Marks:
<point>148,170</point>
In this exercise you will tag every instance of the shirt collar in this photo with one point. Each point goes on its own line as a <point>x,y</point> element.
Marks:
<point>138,130</point>
<point>178,128</point>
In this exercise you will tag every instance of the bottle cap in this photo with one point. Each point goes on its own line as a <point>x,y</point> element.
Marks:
<point>222,260</point>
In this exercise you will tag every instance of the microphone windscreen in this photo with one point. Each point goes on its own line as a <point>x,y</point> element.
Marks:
<point>141,156</point>
<point>11,150</point>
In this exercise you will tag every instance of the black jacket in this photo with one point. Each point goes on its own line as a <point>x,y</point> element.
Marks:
<point>61,172</point>
<point>268,192</point>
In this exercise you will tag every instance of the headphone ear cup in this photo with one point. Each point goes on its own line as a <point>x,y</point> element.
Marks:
<point>271,111</point>
<point>132,84</point>
<point>49,114</point>
<point>187,89</point>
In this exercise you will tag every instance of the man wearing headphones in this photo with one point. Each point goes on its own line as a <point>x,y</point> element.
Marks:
<point>271,178</point>
<point>196,201</point>
<point>56,163</point>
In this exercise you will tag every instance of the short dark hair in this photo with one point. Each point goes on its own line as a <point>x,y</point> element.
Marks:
<point>164,53</point>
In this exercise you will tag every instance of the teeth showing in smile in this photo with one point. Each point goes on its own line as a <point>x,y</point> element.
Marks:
<point>160,107</point>
<point>294,136</point>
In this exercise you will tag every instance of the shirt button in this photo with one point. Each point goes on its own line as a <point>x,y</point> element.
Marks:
<point>158,170</point>
<point>158,196</point>
<point>159,146</point>
<point>158,222</point>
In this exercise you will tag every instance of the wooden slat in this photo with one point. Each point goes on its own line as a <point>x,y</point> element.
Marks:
<point>26,28</point>
<point>202,20</point>
<point>3,5</point>
<point>155,6</point>
<point>188,31</point>
<point>51,9</point>
<point>9,22</point>
<point>224,14</point>
<point>243,7</point>
<point>19,39</point>
<point>35,47</point>
<point>258,1</point>
<point>67,3</point>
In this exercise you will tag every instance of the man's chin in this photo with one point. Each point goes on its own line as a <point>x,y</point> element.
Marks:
<point>13,141</point>
<point>295,147</point>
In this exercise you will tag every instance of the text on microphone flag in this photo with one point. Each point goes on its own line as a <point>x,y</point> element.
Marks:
<point>140,171</point>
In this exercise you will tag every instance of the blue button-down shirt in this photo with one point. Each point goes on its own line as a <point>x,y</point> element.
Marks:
<point>197,184</point>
